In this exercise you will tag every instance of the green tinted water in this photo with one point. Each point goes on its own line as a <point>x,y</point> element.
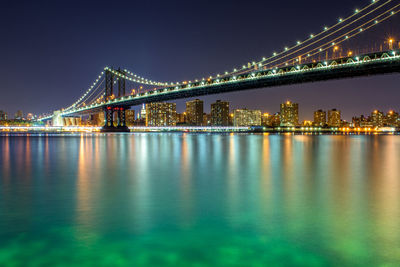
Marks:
<point>199,200</point>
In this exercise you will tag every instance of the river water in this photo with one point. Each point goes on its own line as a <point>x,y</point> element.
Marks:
<point>178,199</point>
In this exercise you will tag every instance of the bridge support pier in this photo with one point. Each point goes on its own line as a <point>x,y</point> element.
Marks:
<point>110,126</point>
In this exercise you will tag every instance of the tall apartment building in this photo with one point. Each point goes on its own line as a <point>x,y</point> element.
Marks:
<point>319,118</point>
<point>194,112</point>
<point>334,118</point>
<point>220,113</point>
<point>289,114</point>
<point>392,119</point>
<point>130,117</point>
<point>161,114</point>
<point>377,118</point>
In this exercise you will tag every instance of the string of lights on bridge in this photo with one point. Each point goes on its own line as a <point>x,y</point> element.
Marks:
<point>326,29</point>
<point>286,51</point>
<point>332,42</point>
<point>276,57</point>
<point>348,35</point>
<point>383,57</point>
<point>138,79</point>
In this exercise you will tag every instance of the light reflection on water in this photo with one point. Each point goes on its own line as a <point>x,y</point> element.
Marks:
<point>172,199</point>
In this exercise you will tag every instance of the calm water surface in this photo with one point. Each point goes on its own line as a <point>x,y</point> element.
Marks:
<point>199,200</point>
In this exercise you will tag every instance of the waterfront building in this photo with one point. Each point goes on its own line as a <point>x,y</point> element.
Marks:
<point>362,121</point>
<point>377,118</point>
<point>246,117</point>
<point>392,119</point>
<point>334,118</point>
<point>130,117</point>
<point>194,112</point>
<point>19,115</point>
<point>220,113</point>
<point>266,119</point>
<point>307,123</point>
<point>289,114</point>
<point>161,114</point>
<point>3,115</point>
<point>206,119</point>
<point>276,120</point>
<point>181,118</point>
<point>320,118</point>
<point>345,123</point>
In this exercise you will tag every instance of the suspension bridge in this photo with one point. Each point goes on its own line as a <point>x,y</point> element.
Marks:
<point>324,56</point>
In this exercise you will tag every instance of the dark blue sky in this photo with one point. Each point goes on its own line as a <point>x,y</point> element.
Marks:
<point>51,51</point>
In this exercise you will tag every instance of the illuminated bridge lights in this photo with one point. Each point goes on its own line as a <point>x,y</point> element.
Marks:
<point>262,74</point>
<point>129,76</point>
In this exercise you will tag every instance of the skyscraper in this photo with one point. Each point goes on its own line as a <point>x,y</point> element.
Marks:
<point>334,118</point>
<point>245,117</point>
<point>220,113</point>
<point>319,118</point>
<point>289,114</point>
<point>161,114</point>
<point>194,112</point>
<point>377,118</point>
<point>143,112</point>
<point>266,119</point>
<point>392,119</point>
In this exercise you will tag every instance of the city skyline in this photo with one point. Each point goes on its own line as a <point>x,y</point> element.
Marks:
<point>137,113</point>
<point>351,96</point>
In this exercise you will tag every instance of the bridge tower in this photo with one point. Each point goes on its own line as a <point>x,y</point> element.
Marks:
<point>121,110</point>
<point>109,110</point>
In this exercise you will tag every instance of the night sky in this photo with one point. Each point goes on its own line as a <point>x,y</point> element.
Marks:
<point>51,51</point>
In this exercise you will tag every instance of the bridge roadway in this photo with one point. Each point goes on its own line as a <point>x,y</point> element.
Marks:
<point>348,67</point>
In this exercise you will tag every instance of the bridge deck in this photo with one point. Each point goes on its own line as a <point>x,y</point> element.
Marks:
<point>349,67</point>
